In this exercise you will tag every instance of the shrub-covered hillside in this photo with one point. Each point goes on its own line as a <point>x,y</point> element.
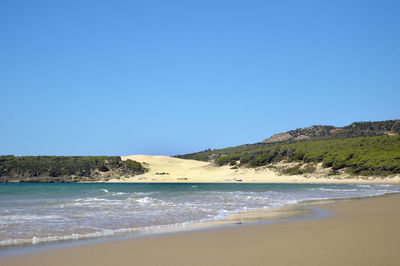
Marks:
<point>313,133</point>
<point>361,148</point>
<point>354,130</point>
<point>378,155</point>
<point>65,168</point>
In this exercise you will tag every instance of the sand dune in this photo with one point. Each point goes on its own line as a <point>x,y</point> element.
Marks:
<point>169,169</point>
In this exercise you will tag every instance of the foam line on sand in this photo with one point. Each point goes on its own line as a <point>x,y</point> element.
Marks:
<point>359,232</point>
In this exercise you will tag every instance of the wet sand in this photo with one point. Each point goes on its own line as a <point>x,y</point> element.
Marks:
<point>358,232</point>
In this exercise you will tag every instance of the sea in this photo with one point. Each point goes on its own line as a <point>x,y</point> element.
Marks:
<point>40,213</point>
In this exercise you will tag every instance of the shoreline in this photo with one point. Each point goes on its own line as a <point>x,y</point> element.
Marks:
<point>360,232</point>
<point>43,254</point>
<point>289,211</point>
<point>300,210</point>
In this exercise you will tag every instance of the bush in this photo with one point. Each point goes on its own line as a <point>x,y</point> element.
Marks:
<point>134,165</point>
<point>362,156</point>
<point>54,166</point>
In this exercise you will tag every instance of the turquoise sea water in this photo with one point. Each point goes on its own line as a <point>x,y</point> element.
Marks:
<point>43,213</point>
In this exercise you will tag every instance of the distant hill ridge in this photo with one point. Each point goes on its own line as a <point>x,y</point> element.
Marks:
<point>356,129</point>
<point>359,149</point>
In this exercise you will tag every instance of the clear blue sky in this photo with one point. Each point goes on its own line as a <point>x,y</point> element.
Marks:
<point>171,77</point>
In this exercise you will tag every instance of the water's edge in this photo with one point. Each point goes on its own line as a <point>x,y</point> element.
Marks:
<point>306,210</point>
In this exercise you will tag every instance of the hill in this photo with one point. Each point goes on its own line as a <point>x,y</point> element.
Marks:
<point>362,148</point>
<point>66,168</point>
<point>355,130</point>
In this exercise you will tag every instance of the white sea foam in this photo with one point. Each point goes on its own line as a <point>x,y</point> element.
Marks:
<point>336,190</point>
<point>20,217</point>
<point>102,212</point>
<point>119,193</point>
<point>360,185</point>
<point>104,233</point>
<point>154,202</point>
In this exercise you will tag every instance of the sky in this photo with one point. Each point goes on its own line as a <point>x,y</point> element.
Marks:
<point>173,77</point>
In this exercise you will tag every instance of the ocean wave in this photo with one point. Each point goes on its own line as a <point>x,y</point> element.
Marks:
<point>36,240</point>
<point>104,233</point>
<point>334,189</point>
<point>20,218</point>
<point>89,201</point>
<point>119,193</point>
<point>113,193</point>
<point>101,213</point>
<point>153,202</point>
<point>360,185</point>
<point>92,199</point>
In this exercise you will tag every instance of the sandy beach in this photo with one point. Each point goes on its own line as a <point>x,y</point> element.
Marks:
<point>358,232</point>
<point>166,169</point>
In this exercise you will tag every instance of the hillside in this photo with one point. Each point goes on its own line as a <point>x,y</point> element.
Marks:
<point>355,130</point>
<point>66,168</point>
<point>362,149</point>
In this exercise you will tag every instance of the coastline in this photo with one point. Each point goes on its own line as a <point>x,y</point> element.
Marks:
<point>297,211</point>
<point>166,169</point>
<point>359,232</point>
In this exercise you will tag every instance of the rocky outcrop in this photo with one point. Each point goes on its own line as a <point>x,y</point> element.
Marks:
<point>279,137</point>
<point>300,134</point>
<point>356,129</point>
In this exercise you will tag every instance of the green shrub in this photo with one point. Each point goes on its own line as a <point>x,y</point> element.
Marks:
<point>378,155</point>
<point>55,166</point>
<point>134,165</point>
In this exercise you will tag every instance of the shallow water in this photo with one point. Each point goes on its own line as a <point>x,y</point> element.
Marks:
<point>41,213</point>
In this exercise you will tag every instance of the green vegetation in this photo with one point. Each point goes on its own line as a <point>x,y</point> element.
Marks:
<point>210,154</point>
<point>362,148</point>
<point>299,170</point>
<point>367,129</point>
<point>55,166</point>
<point>354,130</point>
<point>135,166</point>
<point>377,126</point>
<point>378,155</point>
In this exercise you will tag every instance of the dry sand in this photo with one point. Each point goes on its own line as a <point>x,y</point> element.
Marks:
<point>169,169</point>
<point>360,232</point>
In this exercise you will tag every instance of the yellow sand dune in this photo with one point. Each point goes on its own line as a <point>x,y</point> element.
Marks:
<point>169,169</point>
